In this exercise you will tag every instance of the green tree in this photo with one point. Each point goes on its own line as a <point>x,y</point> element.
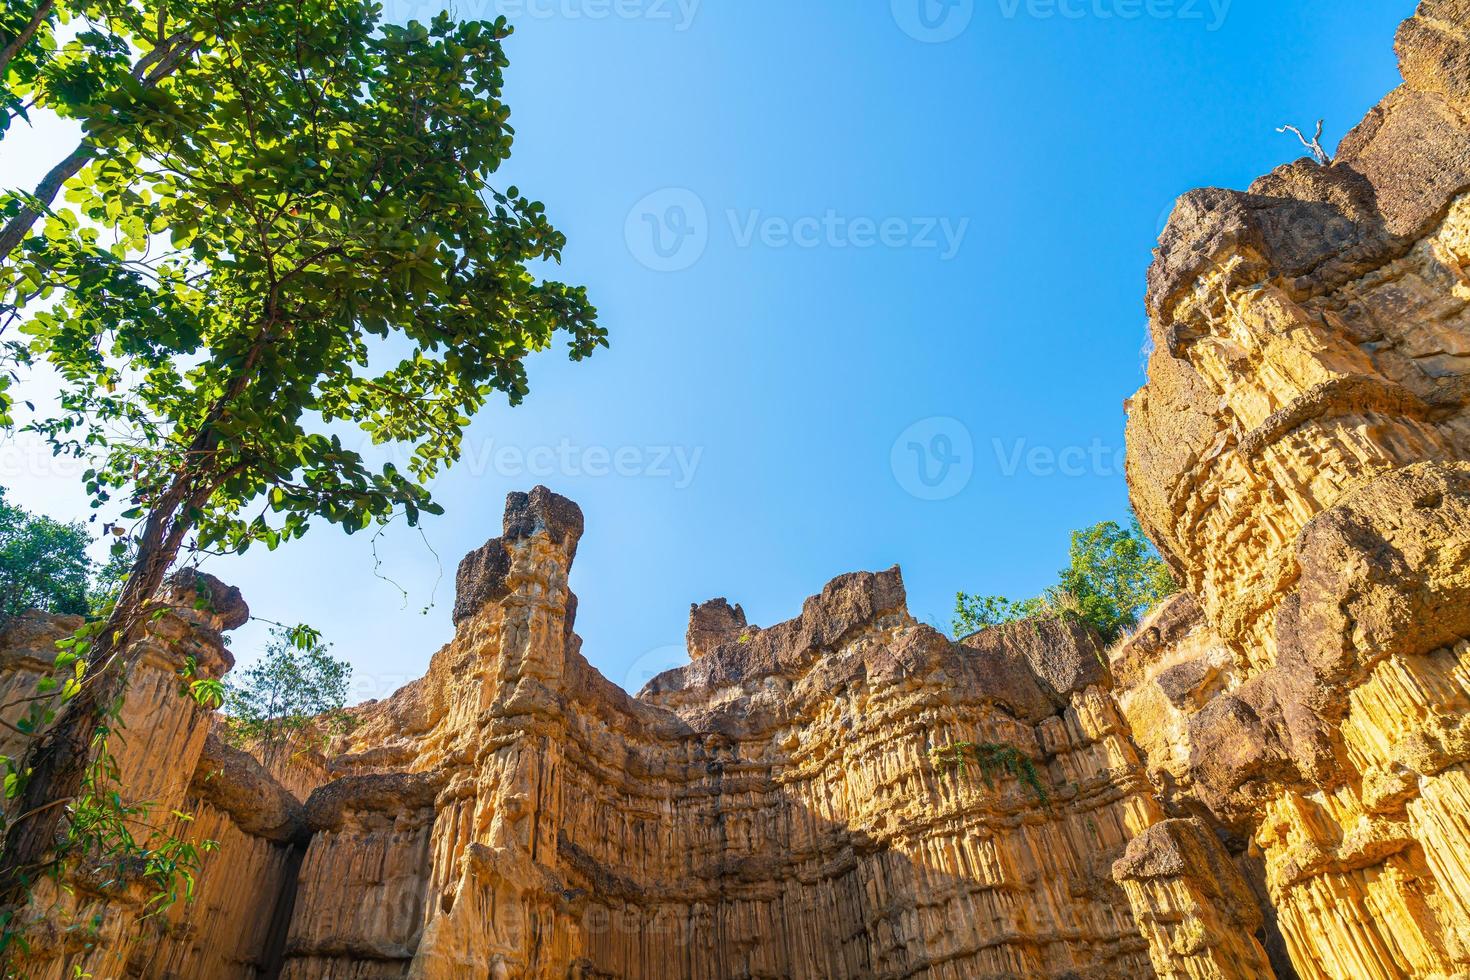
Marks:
<point>103,73</point>
<point>1113,578</point>
<point>297,689</point>
<point>978,612</point>
<point>43,563</point>
<point>108,578</point>
<point>296,236</point>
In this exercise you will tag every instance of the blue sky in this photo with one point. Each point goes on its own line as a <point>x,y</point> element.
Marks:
<point>874,285</point>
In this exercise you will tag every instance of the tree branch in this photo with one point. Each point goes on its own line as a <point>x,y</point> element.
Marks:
<point>24,37</point>
<point>1322,157</point>
<point>150,70</point>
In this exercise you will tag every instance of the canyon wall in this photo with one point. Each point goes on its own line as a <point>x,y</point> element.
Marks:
<point>1267,778</point>
<point>845,794</point>
<point>100,918</point>
<point>771,810</point>
<point>1299,454</point>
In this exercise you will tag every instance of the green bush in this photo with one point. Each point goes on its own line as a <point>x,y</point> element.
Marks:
<point>293,696</point>
<point>1115,576</point>
<point>991,759</point>
<point>43,563</point>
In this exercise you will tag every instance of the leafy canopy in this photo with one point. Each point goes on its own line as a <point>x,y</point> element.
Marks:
<point>299,230</point>
<point>1114,577</point>
<point>43,563</point>
<point>295,690</point>
<point>281,239</point>
<point>71,56</point>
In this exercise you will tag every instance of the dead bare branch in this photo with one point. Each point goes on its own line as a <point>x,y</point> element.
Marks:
<point>1322,157</point>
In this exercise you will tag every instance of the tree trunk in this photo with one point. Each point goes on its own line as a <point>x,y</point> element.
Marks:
<point>58,759</point>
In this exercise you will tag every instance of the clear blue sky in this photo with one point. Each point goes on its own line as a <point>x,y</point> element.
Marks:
<point>876,251</point>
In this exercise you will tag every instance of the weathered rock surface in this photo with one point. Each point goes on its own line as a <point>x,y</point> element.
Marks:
<point>1268,778</point>
<point>101,923</point>
<point>770,810</point>
<point>1300,454</point>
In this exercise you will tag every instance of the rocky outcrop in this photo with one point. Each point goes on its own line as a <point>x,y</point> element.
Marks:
<point>772,809</point>
<point>103,919</point>
<point>786,805</point>
<point>1300,454</point>
<point>1267,778</point>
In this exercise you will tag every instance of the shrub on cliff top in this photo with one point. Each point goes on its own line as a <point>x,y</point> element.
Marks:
<point>295,693</point>
<point>1114,577</point>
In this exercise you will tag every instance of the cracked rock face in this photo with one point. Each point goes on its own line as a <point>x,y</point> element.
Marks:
<point>1268,778</point>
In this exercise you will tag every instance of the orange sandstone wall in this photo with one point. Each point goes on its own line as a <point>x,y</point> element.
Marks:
<point>1300,453</point>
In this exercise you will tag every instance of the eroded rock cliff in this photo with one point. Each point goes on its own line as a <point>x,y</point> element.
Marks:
<point>783,806</point>
<point>1300,454</point>
<point>771,810</point>
<point>1268,778</point>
